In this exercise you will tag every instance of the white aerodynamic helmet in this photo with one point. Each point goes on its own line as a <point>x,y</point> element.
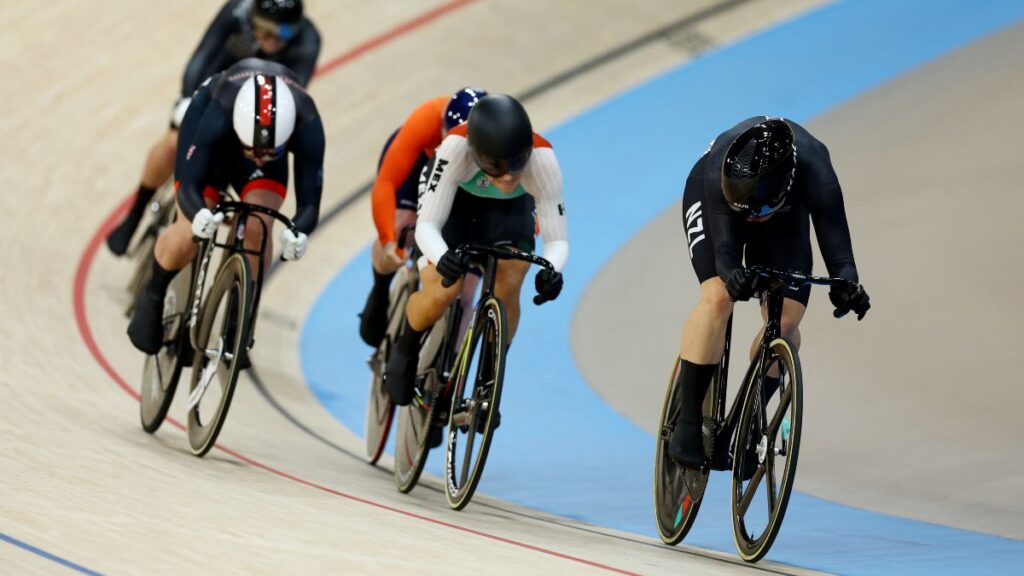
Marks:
<point>264,116</point>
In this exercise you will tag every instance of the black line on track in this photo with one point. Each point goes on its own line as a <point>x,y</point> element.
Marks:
<point>527,95</point>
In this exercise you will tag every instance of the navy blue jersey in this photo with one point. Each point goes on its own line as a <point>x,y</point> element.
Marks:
<point>229,39</point>
<point>208,145</point>
<point>815,194</point>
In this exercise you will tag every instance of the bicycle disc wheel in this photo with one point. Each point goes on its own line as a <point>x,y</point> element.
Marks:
<point>765,454</point>
<point>162,370</point>
<point>143,268</point>
<point>379,408</point>
<point>416,422</point>
<point>222,336</point>
<point>142,249</point>
<point>678,491</point>
<point>476,394</point>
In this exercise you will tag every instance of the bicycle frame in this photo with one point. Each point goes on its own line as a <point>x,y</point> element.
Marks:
<point>774,297</point>
<point>233,244</point>
<point>491,255</point>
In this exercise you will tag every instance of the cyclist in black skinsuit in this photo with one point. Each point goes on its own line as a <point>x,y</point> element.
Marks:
<point>751,196</point>
<point>237,131</point>
<point>273,30</point>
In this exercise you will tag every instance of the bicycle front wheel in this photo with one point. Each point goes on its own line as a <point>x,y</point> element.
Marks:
<point>476,394</point>
<point>222,338</point>
<point>765,452</point>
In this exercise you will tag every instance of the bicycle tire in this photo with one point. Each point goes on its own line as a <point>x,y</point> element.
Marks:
<point>678,491</point>
<point>757,436</point>
<point>143,269</point>
<point>464,416</point>
<point>161,371</point>
<point>380,410</point>
<point>233,284</point>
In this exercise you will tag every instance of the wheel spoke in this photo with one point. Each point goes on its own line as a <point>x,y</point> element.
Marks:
<point>769,484</point>
<point>468,451</point>
<point>748,494</point>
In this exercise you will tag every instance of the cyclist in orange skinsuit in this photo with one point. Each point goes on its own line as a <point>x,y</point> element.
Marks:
<point>395,194</point>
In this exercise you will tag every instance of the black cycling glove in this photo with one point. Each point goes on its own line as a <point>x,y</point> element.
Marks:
<point>452,266</point>
<point>847,296</point>
<point>549,286</point>
<point>741,285</point>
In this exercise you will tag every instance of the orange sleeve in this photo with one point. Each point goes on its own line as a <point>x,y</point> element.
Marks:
<point>420,134</point>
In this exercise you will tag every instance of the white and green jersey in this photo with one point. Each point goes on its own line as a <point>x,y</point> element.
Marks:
<point>453,168</point>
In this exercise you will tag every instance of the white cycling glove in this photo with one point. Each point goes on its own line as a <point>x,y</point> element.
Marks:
<point>294,246</point>
<point>204,224</point>
<point>178,113</point>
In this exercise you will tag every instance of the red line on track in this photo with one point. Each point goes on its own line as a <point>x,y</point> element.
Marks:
<point>390,35</point>
<point>82,320</point>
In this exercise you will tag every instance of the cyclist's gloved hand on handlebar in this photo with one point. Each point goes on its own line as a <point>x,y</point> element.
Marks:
<point>847,296</point>
<point>549,286</point>
<point>452,265</point>
<point>742,284</point>
<point>205,222</point>
<point>294,245</point>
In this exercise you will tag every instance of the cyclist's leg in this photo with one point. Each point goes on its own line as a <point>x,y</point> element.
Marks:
<point>173,250</point>
<point>783,243</point>
<point>158,168</point>
<point>373,319</point>
<point>254,232</point>
<point>703,338</point>
<point>508,222</point>
<point>508,283</point>
<point>425,307</point>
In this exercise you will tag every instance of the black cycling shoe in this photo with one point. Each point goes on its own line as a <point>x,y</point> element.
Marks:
<point>436,437</point>
<point>373,320</point>
<point>400,376</point>
<point>120,237</point>
<point>687,444</point>
<point>146,329</point>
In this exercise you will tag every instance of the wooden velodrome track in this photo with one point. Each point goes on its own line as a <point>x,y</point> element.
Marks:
<point>88,89</point>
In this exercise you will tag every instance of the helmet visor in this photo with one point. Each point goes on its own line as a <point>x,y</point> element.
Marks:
<point>280,30</point>
<point>263,154</point>
<point>498,167</point>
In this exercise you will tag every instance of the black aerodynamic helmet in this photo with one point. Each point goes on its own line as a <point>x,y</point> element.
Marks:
<point>279,17</point>
<point>759,169</point>
<point>500,135</point>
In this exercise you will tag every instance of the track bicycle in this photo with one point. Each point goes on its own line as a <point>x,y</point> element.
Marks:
<point>210,328</point>
<point>459,385</point>
<point>758,439</point>
<point>161,210</point>
<point>380,409</point>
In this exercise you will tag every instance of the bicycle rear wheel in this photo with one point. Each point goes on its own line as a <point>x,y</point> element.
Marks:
<point>678,491</point>
<point>475,402</point>
<point>162,370</point>
<point>417,421</point>
<point>162,211</point>
<point>379,408</point>
<point>223,334</point>
<point>765,454</point>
